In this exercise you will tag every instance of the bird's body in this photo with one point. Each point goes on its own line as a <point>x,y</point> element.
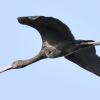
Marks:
<point>58,41</point>
<point>51,51</point>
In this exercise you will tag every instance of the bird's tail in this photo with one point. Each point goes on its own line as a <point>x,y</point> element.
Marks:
<point>90,43</point>
<point>81,44</point>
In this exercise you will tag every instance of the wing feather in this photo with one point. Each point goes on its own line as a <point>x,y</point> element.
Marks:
<point>51,29</point>
<point>54,31</point>
<point>87,59</point>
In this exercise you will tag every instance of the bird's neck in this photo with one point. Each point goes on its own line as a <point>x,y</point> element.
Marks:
<point>33,59</point>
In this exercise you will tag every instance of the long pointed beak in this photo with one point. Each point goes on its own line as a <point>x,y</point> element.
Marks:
<point>5,69</point>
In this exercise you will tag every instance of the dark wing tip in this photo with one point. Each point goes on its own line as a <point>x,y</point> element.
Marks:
<point>51,29</point>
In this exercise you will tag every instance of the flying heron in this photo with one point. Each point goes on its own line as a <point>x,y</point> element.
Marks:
<point>58,41</point>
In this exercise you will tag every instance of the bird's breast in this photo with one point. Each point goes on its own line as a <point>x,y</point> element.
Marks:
<point>51,51</point>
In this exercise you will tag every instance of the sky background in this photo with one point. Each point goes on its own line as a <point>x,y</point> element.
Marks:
<point>49,79</point>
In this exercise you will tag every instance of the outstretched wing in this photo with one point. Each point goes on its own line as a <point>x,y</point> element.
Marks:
<point>87,59</point>
<point>56,31</point>
<point>51,29</point>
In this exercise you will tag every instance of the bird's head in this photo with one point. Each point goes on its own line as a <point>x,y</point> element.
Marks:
<point>23,63</point>
<point>18,64</point>
<point>32,20</point>
<point>15,65</point>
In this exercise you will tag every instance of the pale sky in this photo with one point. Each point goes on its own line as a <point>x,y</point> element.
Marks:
<point>49,79</point>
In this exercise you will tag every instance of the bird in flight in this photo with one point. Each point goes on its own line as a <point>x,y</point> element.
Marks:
<point>58,41</point>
